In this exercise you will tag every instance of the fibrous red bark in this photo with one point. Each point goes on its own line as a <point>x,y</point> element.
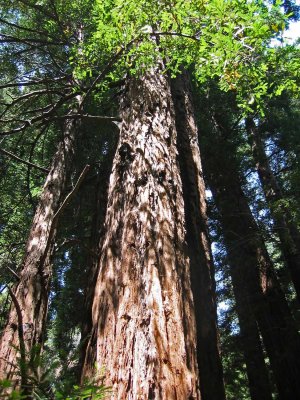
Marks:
<point>99,205</point>
<point>143,315</point>
<point>202,268</point>
<point>30,294</point>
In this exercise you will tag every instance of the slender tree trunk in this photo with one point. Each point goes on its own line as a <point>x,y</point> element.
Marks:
<point>144,328</point>
<point>249,258</point>
<point>27,315</point>
<point>202,269</point>
<point>288,233</point>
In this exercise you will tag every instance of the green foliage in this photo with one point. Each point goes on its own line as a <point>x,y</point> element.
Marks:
<point>40,377</point>
<point>88,391</point>
<point>228,40</point>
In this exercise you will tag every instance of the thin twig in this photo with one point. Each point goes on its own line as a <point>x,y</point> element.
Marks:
<point>32,82</point>
<point>8,153</point>
<point>72,193</point>
<point>27,41</point>
<point>108,67</point>
<point>44,117</point>
<point>66,242</point>
<point>175,34</point>
<point>98,117</point>
<point>13,272</point>
<point>24,28</point>
<point>62,207</point>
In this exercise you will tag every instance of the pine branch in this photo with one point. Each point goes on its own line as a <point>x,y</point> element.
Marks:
<point>34,93</point>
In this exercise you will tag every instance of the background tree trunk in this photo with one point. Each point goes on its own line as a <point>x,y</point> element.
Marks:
<point>202,269</point>
<point>31,292</point>
<point>143,315</point>
<point>258,376</point>
<point>287,231</point>
<point>248,256</point>
<point>95,244</point>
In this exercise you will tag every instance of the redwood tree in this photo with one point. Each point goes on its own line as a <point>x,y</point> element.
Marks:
<point>285,226</point>
<point>252,269</point>
<point>142,326</point>
<point>143,314</point>
<point>25,326</point>
<point>202,269</point>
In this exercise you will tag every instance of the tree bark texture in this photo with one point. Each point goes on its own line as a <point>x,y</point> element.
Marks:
<point>286,229</point>
<point>252,269</point>
<point>95,243</point>
<point>202,269</point>
<point>30,294</point>
<point>143,314</point>
<point>257,372</point>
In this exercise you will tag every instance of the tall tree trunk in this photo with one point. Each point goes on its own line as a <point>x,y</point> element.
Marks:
<point>288,233</point>
<point>27,315</point>
<point>250,261</point>
<point>202,269</point>
<point>143,315</point>
<point>257,373</point>
<point>95,242</point>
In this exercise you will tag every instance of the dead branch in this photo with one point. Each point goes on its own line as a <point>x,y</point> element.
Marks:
<point>72,193</point>
<point>88,116</point>
<point>43,118</point>
<point>13,156</point>
<point>13,272</point>
<point>62,207</point>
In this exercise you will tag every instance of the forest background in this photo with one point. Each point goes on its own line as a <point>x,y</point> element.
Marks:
<point>79,83</point>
